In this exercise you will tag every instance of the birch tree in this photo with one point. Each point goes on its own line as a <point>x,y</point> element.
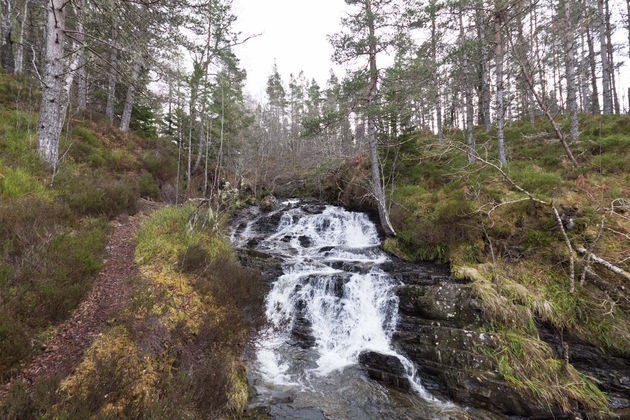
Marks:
<point>500,11</point>
<point>6,43</point>
<point>484,73</point>
<point>19,52</point>
<point>57,79</point>
<point>129,99</point>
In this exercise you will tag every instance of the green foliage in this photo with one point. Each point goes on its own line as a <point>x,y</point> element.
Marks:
<point>17,182</point>
<point>611,162</point>
<point>536,180</point>
<point>168,235</point>
<point>147,186</point>
<point>51,248</point>
<point>160,164</point>
<point>100,195</point>
<point>143,121</point>
<point>528,363</point>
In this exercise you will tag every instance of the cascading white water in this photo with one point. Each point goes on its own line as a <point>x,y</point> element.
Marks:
<point>333,286</point>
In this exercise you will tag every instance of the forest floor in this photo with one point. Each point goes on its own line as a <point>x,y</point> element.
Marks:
<point>109,295</point>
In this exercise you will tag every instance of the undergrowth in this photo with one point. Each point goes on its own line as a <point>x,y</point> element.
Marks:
<point>445,209</point>
<point>53,229</point>
<point>174,352</point>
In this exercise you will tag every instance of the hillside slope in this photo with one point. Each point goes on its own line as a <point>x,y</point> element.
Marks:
<point>54,227</point>
<point>512,254</point>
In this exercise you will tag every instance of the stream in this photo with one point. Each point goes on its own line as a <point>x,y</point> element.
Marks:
<point>331,310</point>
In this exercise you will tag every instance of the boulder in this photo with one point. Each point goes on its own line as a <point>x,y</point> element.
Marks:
<point>385,368</point>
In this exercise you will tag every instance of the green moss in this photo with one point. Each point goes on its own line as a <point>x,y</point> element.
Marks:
<point>535,180</point>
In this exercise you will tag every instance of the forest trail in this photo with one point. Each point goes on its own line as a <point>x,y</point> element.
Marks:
<point>109,294</point>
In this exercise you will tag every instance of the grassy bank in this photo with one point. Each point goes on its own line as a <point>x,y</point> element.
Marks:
<point>448,210</point>
<point>174,352</point>
<point>54,229</point>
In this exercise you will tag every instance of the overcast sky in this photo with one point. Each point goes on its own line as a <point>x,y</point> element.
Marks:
<point>293,32</point>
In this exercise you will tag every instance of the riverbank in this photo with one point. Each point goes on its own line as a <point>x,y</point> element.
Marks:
<point>513,257</point>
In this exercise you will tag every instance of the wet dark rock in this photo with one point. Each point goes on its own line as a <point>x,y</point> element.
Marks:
<point>385,368</point>
<point>611,371</point>
<point>326,248</point>
<point>302,331</point>
<point>305,241</point>
<point>252,243</point>
<point>288,412</point>
<point>314,208</point>
<point>267,224</point>
<point>453,304</point>
<point>280,397</point>
<point>351,266</point>
<point>338,285</point>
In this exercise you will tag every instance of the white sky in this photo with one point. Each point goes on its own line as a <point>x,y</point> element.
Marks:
<point>293,32</point>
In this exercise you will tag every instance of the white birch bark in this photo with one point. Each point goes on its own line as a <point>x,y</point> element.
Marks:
<point>485,78</point>
<point>470,139</point>
<point>53,90</point>
<point>131,90</point>
<point>498,31</point>
<point>19,51</point>
<point>82,70</point>
<point>6,47</point>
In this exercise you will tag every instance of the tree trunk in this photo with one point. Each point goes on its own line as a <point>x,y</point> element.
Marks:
<point>52,108</point>
<point>377,187</point>
<point>111,89</point>
<point>6,45</point>
<point>604,54</point>
<point>569,60</point>
<point>19,53</point>
<point>611,62</point>
<point>82,70</point>
<point>586,103</point>
<point>131,90</point>
<point>525,68</point>
<point>470,140</point>
<point>628,24</point>
<point>498,31</point>
<point>593,67</point>
<point>485,80</point>
<point>436,74</point>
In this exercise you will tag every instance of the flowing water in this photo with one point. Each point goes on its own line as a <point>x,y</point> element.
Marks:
<point>332,302</point>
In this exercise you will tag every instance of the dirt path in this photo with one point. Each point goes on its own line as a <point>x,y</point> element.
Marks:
<point>109,294</point>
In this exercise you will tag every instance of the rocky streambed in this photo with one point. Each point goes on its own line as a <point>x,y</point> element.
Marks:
<point>355,333</point>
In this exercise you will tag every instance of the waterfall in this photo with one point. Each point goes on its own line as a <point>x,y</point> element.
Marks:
<point>332,290</point>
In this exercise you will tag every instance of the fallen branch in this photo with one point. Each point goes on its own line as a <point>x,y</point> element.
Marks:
<point>536,200</point>
<point>589,254</point>
<point>570,248</point>
<point>605,264</point>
